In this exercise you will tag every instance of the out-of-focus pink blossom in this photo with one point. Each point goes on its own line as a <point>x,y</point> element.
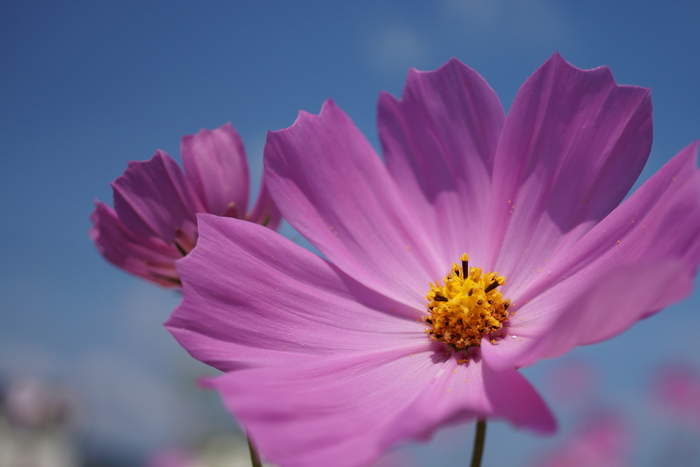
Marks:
<point>677,392</point>
<point>603,441</point>
<point>215,451</point>
<point>154,222</point>
<point>32,403</point>
<point>172,456</point>
<point>572,381</point>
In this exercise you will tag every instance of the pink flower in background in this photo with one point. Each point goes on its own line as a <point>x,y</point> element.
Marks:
<point>155,205</point>
<point>395,331</point>
<point>34,404</point>
<point>571,382</point>
<point>602,441</point>
<point>677,392</point>
<point>174,456</point>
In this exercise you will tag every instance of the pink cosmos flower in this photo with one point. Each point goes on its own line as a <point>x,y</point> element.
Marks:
<point>395,331</point>
<point>174,456</point>
<point>602,441</point>
<point>677,393</point>
<point>155,205</point>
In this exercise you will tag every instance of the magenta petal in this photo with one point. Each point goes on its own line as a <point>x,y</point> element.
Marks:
<point>332,187</point>
<point>345,410</point>
<point>265,210</point>
<point>614,303</point>
<point>215,164</point>
<point>252,297</point>
<point>150,258</point>
<point>572,146</point>
<point>638,260</point>
<point>473,391</point>
<point>611,306</point>
<point>658,222</point>
<point>440,142</point>
<point>153,198</point>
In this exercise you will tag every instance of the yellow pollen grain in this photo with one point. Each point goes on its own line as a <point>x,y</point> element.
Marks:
<point>465,306</point>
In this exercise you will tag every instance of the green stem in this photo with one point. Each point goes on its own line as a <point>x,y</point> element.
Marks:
<point>479,439</point>
<point>254,457</point>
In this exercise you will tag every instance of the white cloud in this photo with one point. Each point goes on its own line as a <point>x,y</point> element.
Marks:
<point>20,360</point>
<point>518,23</point>
<point>396,48</point>
<point>130,406</point>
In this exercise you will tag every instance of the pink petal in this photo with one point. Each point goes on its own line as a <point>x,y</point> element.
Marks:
<point>150,258</point>
<point>591,313</point>
<point>572,146</point>
<point>265,211</point>
<point>657,222</point>
<point>474,390</point>
<point>216,167</point>
<point>440,142</point>
<point>638,260</point>
<point>252,297</point>
<point>332,187</point>
<point>346,409</point>
<point>153,198</point>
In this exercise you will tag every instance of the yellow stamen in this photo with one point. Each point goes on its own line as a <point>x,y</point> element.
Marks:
<point>466,307</point>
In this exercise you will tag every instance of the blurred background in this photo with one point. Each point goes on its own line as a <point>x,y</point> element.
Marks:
<point>88,375</point>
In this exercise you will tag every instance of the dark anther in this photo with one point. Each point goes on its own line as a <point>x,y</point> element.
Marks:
<point>439,298</point>
<point>439,336</point>
<point>493,285</point>
<point>471,291</point>
<point>465,268</point>
<point>429,321</point>
<point>506,305</point>
<point>182,250</point>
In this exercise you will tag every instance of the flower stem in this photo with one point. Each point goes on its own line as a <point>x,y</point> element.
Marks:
<point>479,439</point>
<point>254,457</point>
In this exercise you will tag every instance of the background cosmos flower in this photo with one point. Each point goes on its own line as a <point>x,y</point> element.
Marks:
<point>332,361</point>
<point>155,205</point>
<point>677,393</point>
<point>603,440</point>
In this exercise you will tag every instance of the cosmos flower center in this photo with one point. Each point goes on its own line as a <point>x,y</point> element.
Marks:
<point>466,306</point>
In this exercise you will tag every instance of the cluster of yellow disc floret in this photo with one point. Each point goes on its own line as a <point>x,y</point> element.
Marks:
<point>466,307</point>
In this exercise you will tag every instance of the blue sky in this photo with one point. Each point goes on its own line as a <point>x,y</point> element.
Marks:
<point>87,86</point>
